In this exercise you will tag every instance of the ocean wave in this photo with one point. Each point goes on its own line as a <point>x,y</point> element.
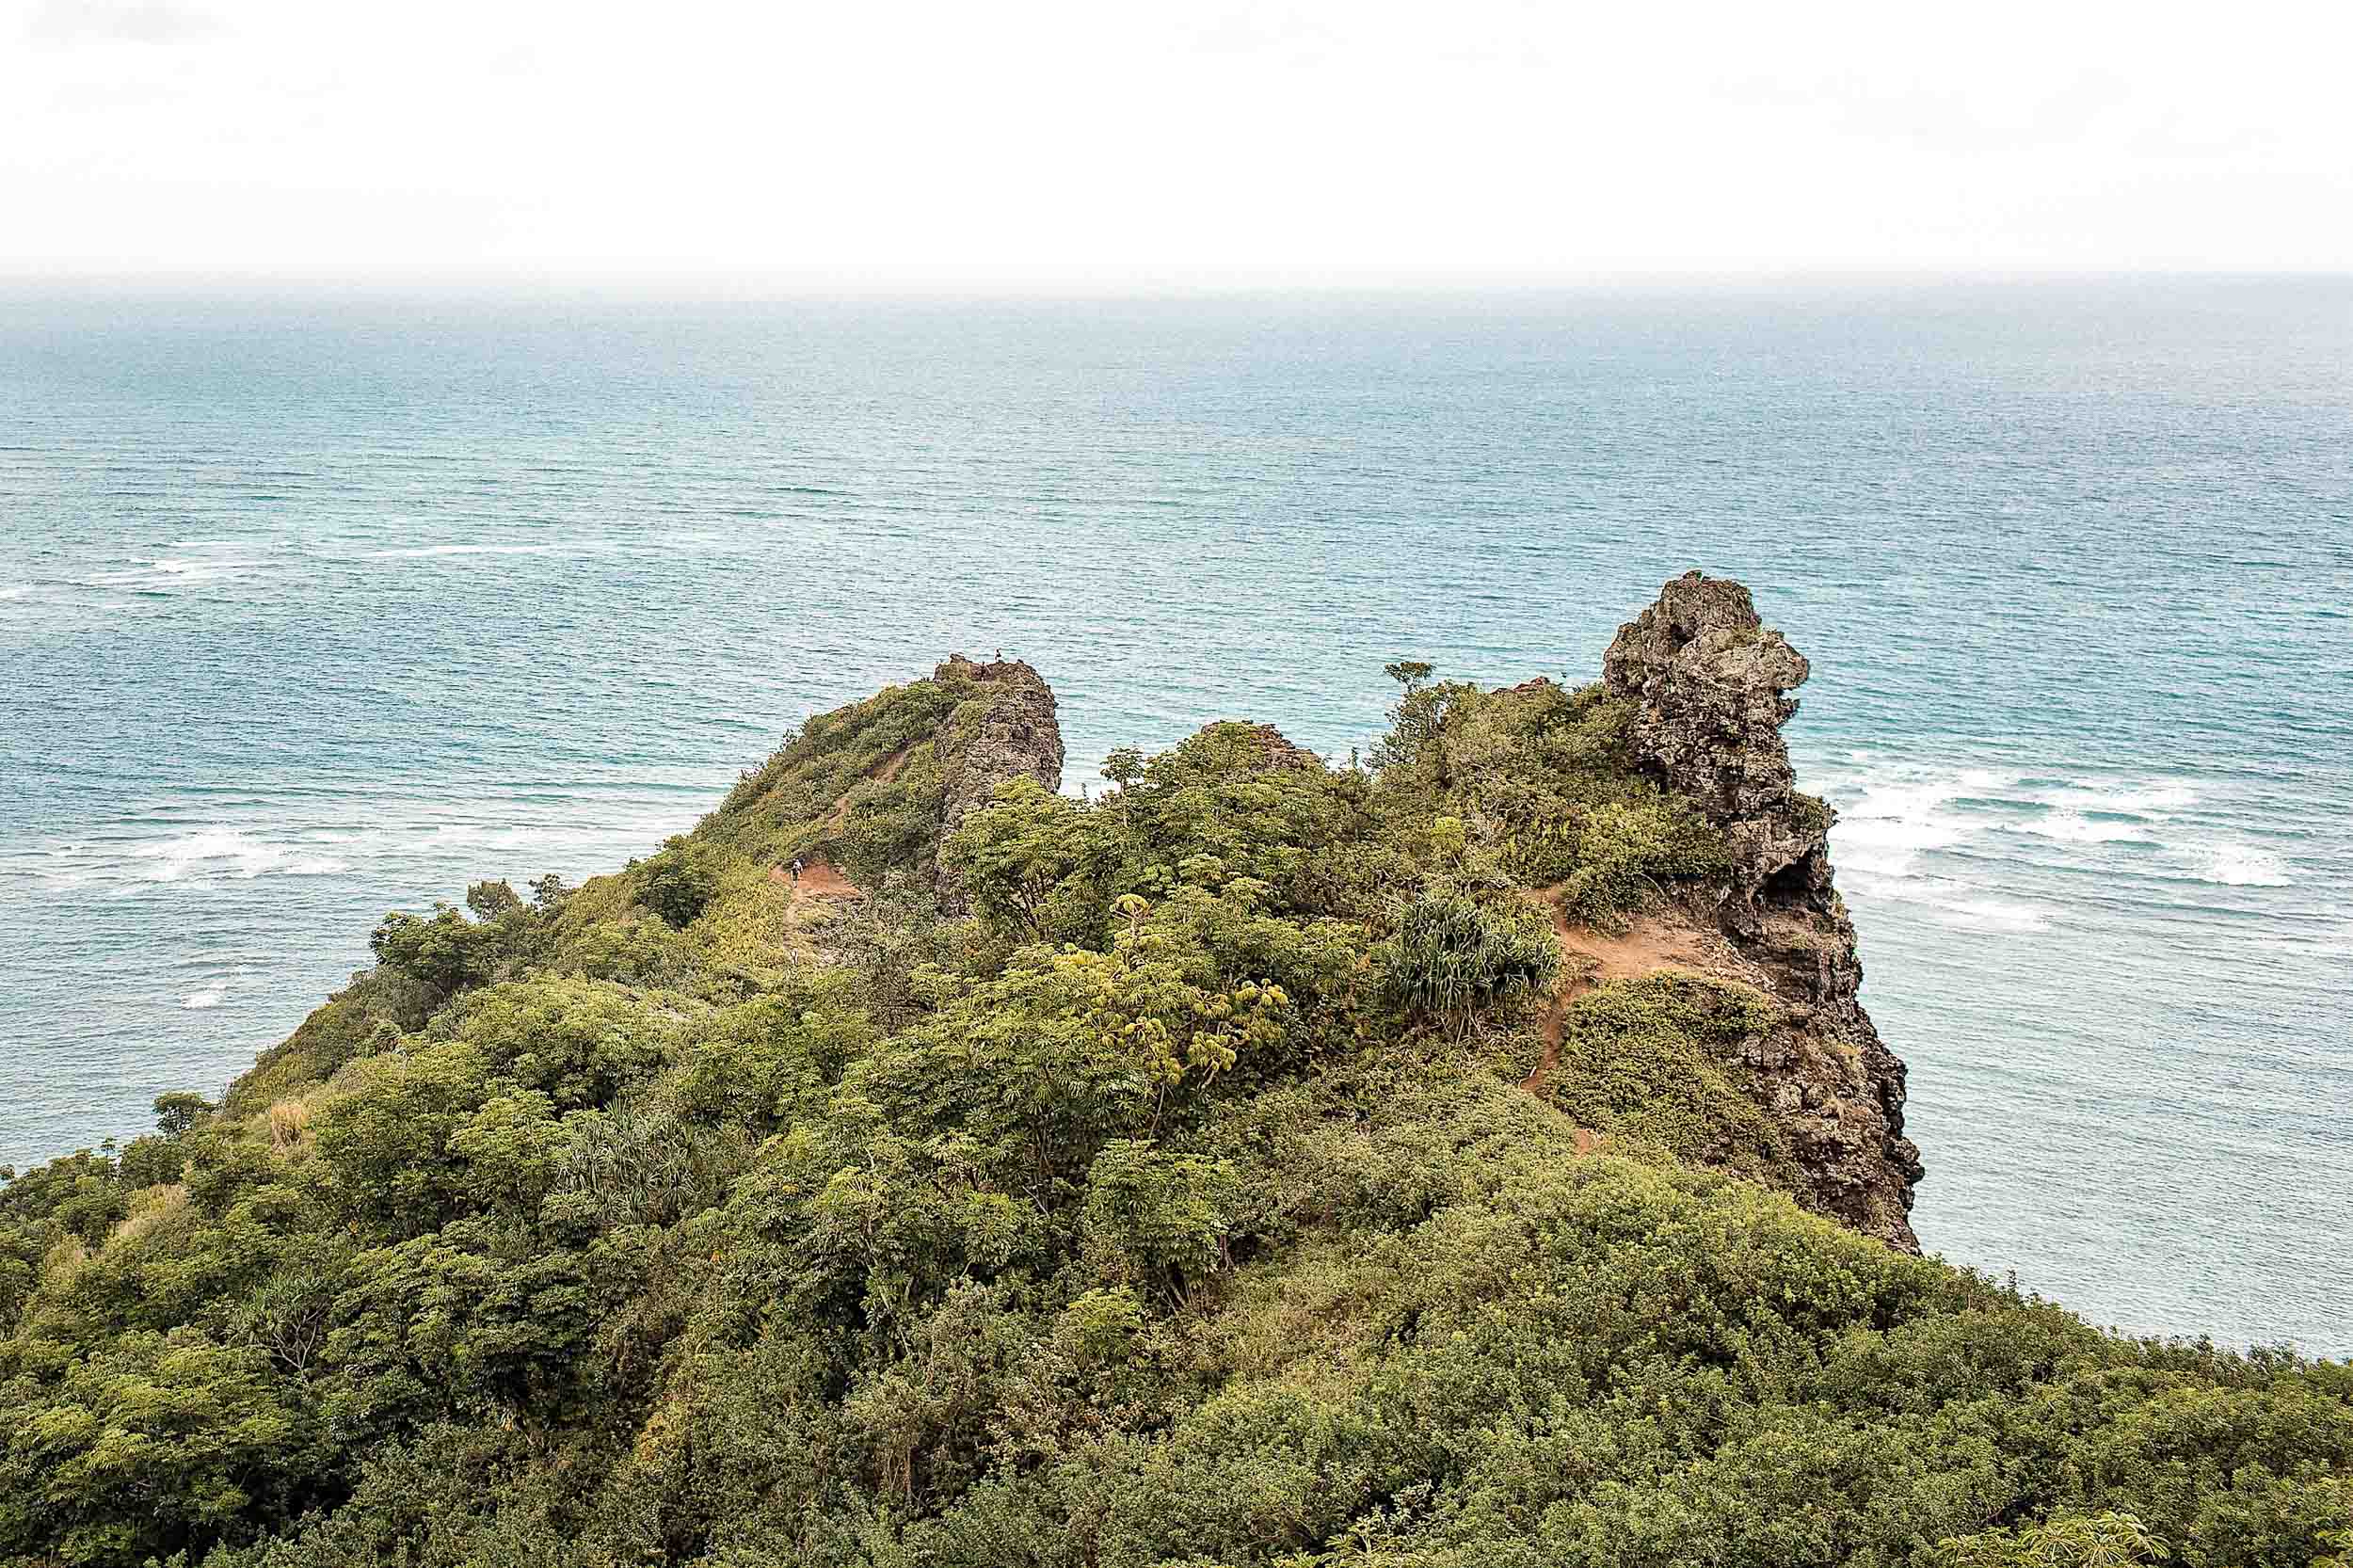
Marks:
<point>177,572</point>
<point>2238,866</point>
<point>2069,826</point>
<point>2160,799</point>
<point>668,542</point>
<point>426,552</point>
<point>1897,818</point>
<point>1957,904</point>
<point>211,996</point>
<point>228,851</point>
<point>2314,944</point>
<point>1891,815</point>
<point>1958,835</point>
<point>236,960</point>
<point>133,859</point>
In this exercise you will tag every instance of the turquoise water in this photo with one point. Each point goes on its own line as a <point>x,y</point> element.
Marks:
<point>309,609</point>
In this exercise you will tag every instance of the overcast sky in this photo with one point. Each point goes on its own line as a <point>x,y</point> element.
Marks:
<point>1166,141</point>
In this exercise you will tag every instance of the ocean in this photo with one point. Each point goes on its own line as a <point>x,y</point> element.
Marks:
<point>312,607</point>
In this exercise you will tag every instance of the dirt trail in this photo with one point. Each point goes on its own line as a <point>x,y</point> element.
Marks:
<point>1573,979</point>
<point>881,772</point>
<point>1590,957</point>
<point>819,877</point>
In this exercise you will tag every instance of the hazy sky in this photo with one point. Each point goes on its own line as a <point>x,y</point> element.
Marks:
<point>1167,143</point>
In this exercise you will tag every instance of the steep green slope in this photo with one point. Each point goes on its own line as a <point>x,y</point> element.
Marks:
<point>1479,1156</point>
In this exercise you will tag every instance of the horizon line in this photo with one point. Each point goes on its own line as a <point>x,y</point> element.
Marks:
<point>748,287</point>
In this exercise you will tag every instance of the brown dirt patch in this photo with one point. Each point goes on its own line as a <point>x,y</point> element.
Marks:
<point>819,879</point>
<point>1649,944</point>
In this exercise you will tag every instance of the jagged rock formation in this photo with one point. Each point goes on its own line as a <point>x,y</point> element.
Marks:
<point>1275,748</point>
<point>1017,738</point>
<point>1710,686</point>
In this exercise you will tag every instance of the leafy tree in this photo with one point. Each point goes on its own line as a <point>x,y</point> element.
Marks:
<point>1156,1220</point>
<point>442,948</point>
<point>178,1111</point>
<point>2106,1539</point>
<point>489,900</point>
<point>1411,674</point>
<point>678,885</point>
<point>1033,862</point>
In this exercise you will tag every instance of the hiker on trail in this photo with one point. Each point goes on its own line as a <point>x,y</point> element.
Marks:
<point>796,869</point>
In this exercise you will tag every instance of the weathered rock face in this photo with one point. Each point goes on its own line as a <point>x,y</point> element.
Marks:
<point>1017,738</point>
<point>1710,685</point>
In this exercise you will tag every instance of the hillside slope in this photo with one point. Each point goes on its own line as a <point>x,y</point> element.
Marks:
<point>1476,1157</point>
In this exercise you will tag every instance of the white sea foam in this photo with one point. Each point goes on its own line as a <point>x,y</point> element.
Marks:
<point>1957,904</point>
<point>225,852</point>
<point>1994,914</point>
<point>2067,826</point>
<point>2238,866</point>
<point>176,571</point>
<point>2158,800</point>
<point>211,996</point>
<point>1899,818</point>
<point>2094,811</point>
<point>426,551</point>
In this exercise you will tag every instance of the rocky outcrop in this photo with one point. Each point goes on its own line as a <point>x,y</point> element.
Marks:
<point>1015,737</point>
<point>1709,685</point>
<point>1276,751</point>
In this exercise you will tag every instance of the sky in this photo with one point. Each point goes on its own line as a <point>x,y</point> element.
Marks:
<point>885,143</point>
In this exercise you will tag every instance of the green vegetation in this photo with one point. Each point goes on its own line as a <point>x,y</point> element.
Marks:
<point>1452,960</point>
<point>1657,1062</point>
<point>1178,1205</point>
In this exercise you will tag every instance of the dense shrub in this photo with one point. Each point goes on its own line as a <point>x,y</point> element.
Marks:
<point>1452,958</point>
<point>678,885</point>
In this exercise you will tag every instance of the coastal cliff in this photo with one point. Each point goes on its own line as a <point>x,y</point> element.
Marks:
<point>1476,1155</point>
<point>1710,683</point>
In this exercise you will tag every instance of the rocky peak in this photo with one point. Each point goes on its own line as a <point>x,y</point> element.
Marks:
<point>1276,751</point>
<point>1017,737</point>
<point>958,667</point>
<point>1710,683</point>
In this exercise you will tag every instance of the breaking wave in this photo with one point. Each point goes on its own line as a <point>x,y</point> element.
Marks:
<point>2240,866</point>
<point>1963,841</point>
